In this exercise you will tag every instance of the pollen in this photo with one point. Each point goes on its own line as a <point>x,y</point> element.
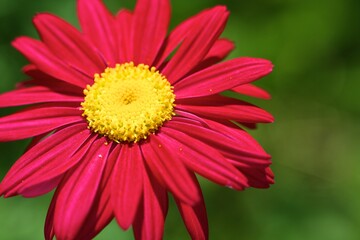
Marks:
<point>127,103</point>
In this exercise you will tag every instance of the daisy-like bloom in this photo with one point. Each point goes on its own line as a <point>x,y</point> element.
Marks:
<point>122,113</point>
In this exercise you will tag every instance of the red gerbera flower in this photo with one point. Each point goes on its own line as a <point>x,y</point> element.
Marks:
<point>117,124</point>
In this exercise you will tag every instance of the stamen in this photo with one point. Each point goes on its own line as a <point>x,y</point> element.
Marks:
<point>127,103</point>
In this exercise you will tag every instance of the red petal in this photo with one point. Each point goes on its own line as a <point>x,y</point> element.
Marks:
<point>99,216</point>
<point>37,94</point>
<point>270,175</point>
<point>150,25</point>
<point>233,131</point>
<point>200,39</point>
<point>97,23</point>
<point>257,177</point>
<point>174,39</point>
<point>220,49</point>
<point>42,79</point>
<point>68,44</point>
<point>127,185</point>
<point>221,77</point>
<point>248,142</point>
<point>38,189</point>
<point>205,160</point>
<point>102,210</point>
<point>54,169</point>
<point>195,217</point>
<point>36,139</point>
<point>217,53</point>
<point>150,217</point>
<point>189,117</point>
<point>37,120</point>
<point>32,71</point>
<point>168,168</point>
<point>38,53</point>
<point>228,146</point>
<point>77,191</point>
<point>49,221</point>
<point>218,107</point>
<point>252,90</point>
<point>50,152</point>
<point>123,27</point>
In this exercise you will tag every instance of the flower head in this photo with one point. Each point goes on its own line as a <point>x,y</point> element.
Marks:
<point>117,124</point>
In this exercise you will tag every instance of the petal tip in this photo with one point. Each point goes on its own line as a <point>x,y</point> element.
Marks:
<point>270,65</point>
<point>222,8</point>
<point>125,225</point>
<point>16,42</point>
<point>271,119</point>
<point>42,16</point>
<point>1,191</point>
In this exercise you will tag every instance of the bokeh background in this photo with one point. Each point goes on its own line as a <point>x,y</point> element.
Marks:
<point>314,142</point>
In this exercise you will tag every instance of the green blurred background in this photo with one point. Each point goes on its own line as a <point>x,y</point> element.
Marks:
<point>314,141</point>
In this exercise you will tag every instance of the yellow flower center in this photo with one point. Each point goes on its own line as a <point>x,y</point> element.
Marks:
<point>127,103</point>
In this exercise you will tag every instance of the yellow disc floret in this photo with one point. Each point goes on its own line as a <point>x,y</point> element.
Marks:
<point>127,103</point>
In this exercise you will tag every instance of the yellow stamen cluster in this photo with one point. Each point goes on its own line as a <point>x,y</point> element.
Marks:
<point>127,103</point>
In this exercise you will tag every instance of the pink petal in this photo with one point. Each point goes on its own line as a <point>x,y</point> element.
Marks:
<point>197,44</point>
<point>98,24</point>
<point>252,91</point>
<point>218,107</point>
<point>233,131</point>
<point>42,79</point>
<point>204,159</point>
<point>150,217</point>
<point>220,50</point>
<point>49,221</point>
<point>39,54</point>
<point>150,25</point>
<point>168,168</point>
<point>195,217</point>
<point>39,189</point>
<point>190,117</point>
<point>229,147</point>
<point>257,177</point>
<point>68,44</point>
<point>127,185</point>
<point>221,77</point>
<point>37,120</point>
<point>102,210</point>
<point>247,142</point>
<point>52,151</point>
<point>270,175</point>
<point>123,27</point>
<point>99,216</point>
<point>77,191</point>
<point>177,35</point>
<point>36,94</point>
<point>254,171</point>
<point>36,139</point>
<point>53,169</point>
<point>32,71</point>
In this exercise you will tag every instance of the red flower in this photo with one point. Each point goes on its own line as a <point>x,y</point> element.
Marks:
<point>116,123</point>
